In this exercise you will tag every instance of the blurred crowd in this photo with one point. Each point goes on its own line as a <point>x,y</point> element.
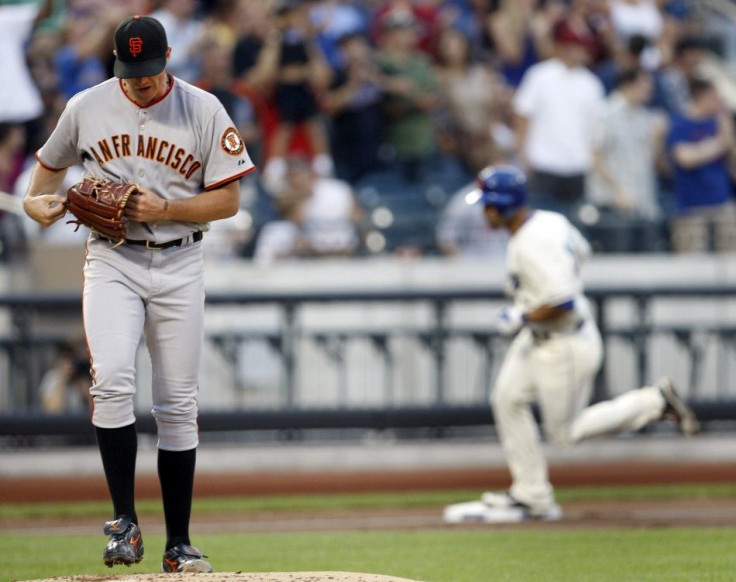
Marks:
<point>368,119</point>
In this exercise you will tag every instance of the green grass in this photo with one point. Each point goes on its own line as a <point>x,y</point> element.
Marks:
<point>448,555</point>
<point>440,555</point>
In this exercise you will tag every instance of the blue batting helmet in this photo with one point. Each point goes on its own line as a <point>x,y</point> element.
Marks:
<point>503,187</point>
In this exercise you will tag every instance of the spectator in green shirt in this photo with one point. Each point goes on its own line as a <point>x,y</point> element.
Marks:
<point>410,94</point>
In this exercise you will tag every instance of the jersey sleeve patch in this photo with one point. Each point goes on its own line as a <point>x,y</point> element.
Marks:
<point>231,142</point>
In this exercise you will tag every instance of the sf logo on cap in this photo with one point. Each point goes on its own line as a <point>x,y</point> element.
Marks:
<point>135,44</point>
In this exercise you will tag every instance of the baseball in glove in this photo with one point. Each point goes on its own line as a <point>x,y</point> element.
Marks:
<point>99,205</point>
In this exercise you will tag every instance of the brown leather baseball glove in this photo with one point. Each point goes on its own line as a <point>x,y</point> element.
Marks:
<point>99,205</point>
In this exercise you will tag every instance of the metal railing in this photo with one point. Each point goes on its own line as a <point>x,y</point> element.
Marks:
<point>629,317</point>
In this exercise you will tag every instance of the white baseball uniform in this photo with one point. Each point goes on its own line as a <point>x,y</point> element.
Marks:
<point>178,146</point>
<point>555,363</point>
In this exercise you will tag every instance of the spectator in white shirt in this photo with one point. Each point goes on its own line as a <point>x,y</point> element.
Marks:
<point>332,215</point>
<point>20,100</point>
<point>630,17</point>
<point>322,217</point>
<point>283,238</point>
<point>556,107</point>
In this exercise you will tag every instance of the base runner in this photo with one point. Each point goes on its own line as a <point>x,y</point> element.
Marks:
<point>554,358</point>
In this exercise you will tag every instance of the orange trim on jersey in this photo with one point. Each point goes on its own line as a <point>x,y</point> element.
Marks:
<point>225,182</point>
<point>46,166</point>
<point>138,105</point>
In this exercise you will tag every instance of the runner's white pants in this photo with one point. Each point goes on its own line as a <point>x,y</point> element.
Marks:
<point>558,374</point>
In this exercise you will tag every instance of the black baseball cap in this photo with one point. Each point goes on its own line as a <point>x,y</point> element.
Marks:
<point>140,47</point>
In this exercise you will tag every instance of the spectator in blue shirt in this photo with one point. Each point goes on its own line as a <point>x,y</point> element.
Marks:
<point>700,144</point>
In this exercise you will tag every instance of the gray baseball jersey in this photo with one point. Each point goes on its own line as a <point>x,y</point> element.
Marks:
<point>177,146</point>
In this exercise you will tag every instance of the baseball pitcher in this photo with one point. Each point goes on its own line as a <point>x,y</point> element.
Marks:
<point>175,159</point>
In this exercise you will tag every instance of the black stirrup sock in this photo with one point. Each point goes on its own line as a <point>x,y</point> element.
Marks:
<point>176,474</point>
<point>118,449</point>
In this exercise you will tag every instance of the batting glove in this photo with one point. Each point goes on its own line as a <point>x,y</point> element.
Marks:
<point>509,320</point>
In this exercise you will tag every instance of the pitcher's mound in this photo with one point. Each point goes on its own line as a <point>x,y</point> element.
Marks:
<point>235,577</point>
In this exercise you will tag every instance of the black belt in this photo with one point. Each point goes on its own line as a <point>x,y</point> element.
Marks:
<point>196,237</point>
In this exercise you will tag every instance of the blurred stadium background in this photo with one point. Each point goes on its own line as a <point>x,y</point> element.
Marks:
<point>380,335</point>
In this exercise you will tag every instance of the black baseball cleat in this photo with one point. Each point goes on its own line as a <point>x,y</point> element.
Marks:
<point>185,558</point>
<point>677,408</point>
<point>125,545</point>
